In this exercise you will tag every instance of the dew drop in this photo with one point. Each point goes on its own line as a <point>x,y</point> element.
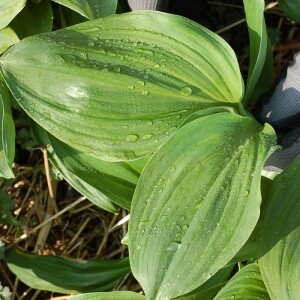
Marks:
<point>144,93</point>
<point>131,87</point>
<point>246,193</point>
<point>141,83</point>
<point>147,136</point>
<point>157,66</point>
<point>174,246</point>
<point>132,137</point>
<point>91,44</point>
<point>139,247</point>
<point>149,123</point>
<point>173,168</point>
<point>186,91</point>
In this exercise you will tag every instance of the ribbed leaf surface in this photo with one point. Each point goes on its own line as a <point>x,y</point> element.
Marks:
<point>279,239</point>
<point>197,202</point>
<point>246,284</point>
<point>109,296</point>
<point>118,87</point>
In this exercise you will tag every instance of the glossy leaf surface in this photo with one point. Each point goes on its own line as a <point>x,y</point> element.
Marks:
<point>33,19</point>
<point>246,284</point>
<point>126,81</point>
<point>7,133</point>
<point>9,9</point>
<point>91,9</point>
<point>109,296</point>
<point>7,38</point>
<point>279,239</point>
<point>197,202</point>
<point>59,274</point>
<point>291,8</point>
<point>260,75</point>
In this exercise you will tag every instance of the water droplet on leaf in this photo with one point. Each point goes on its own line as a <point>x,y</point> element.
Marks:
<point>186,91</point>
<point>132,137</point>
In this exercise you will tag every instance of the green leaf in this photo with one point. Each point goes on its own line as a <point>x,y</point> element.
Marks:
<point>9,9</point>
<point>126,81</point>
<point>246,284</point>
<point>291,8</point>
<point>7,38</point>
<point>69,17</point>
<point>7,133</point>
<point>93,194</point>
<point>211,287</point>
<point>197,202</point>
<point>63,275</point>
<point>279,238</point>
<point>2,249</point>
<point>6,206</point>
<point>260,75</point>
<point>91,9</point>
<point>124,295</point>
<point>33,19</point>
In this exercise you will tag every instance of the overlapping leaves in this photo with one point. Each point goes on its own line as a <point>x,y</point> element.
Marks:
<point>126,81</point>
<point>197,202</point>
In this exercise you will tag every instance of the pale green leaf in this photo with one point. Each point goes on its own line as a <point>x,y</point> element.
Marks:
<point>7,133</point>
<point>260,75</point>
<point>124,295</point>
<point>91,9</point>
<point>197,202</point>
<point>291,8</point>
<point>9,9</point>
<point>246,284</point>
<point>126,81</point>
<point>33,19</point>
<point>7,38</point>
<point>279,238</point>
<point>63,275</point>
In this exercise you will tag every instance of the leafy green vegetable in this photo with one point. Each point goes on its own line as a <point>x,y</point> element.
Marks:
<point>162,75</point>
<point>197,202</point>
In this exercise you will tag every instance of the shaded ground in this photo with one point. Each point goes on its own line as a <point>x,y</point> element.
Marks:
<point>83,230</point>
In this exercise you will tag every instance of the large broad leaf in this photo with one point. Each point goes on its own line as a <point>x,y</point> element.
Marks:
<point>247,284</point>
<point>279,239</point>
<point>33,19</point>
<point>109,296</point>
<point>7,38</point>
<point>260,75</point>
<point>197,202</point>
<point>9,9</point>
<point>91,9</point>
<point>126,81</point>
<point>291,8</point>
<point>115,180</point>
<point>7,133</point>
<point>59,274</point>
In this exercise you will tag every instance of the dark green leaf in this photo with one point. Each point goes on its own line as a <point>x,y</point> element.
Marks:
<point>291,8</point>
<point>91,9</point>
<point>260,75</point>
<point>246,284</point>
<point>33,19</point>
<point>59,274</point>
<point>9,9</point>
<point>7,133</point>
<point>93,194</point>
<point>6,206</point>
<point>126,81</point>
<point>197,202</point>
<point>279,238</point>
<point>7,38</point>
<point>109,296</point>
